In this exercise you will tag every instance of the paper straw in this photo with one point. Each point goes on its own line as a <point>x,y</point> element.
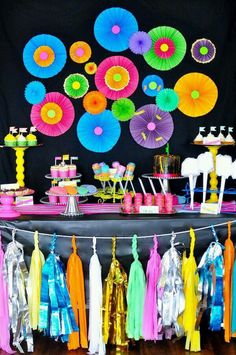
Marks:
<point>152,186</point>
<point>162,186</point>
<point>72,159</point>
<point>56,159</point>
<point>142,187</point>
<point>222,187</point>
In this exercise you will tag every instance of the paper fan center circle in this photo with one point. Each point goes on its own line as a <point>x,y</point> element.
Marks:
<point>115,29</point>
<point>152,85</point>
<point>76,85</point>
<point>204,50</point>
<point>98,131</point>
<point>195,94</point>
<point>117,78</point>
<point>44,56</point>
<point>151,126</point>
<point>164,48</point>
<point>51,113</point>
<point>79,52</point>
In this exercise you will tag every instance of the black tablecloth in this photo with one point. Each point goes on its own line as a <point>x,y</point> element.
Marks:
<point>108,225</point>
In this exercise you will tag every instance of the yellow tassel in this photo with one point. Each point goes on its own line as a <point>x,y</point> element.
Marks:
<point>195,341</point>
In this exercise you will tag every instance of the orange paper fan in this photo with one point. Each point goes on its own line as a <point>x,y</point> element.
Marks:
<point>94,102</point>
<point>197,94</point>
<point>80,52</point>
<point>90,68</point>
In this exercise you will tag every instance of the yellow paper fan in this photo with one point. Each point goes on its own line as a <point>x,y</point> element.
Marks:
<point>197,94</point>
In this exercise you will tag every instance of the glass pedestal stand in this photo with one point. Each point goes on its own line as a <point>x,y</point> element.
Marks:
<point>165,180</point>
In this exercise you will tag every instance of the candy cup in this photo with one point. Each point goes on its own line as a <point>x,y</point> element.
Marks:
<point>53,199</point>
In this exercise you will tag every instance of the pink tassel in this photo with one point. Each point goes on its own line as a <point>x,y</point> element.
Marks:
<point>151,324</point>
<point>4,312</point>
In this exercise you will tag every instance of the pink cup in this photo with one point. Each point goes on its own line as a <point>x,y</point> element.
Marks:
<point>72,172</point>
<point>53,199</point>
<point>54,173</point>
<point>64,174</point>
<point>63,200</point>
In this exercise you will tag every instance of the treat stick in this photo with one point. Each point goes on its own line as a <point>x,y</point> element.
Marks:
<point>222,187</point>
<point>167,149</point>
<point>142,186</point>
<point>162,186</point>
<point>72,159</point>
<point>56,159</point>
<point>121,186</point>
<point>191,184</point>
<point>205,177</point>
<point>152,186</point>
<point>126,184</point>
<point>131,183</point>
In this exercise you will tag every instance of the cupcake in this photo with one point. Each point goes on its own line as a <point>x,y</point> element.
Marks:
<point>10,140</point>
<point>72,170</point>
<point>63,171</point>
<point>21,141</point>
<point>229,139</point>
<point>31,139</point>
<point>82,190</point>
<point>59,191</point>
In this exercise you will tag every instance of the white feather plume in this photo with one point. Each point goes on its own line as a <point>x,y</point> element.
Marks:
<point>190,167</point>
<point>205,162</point>
<point>233,170</point>
<point>223,165</point>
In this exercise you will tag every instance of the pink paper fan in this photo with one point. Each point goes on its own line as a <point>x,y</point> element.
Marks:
<point>54,115</point>
<point>117,77</point>
<point>150,127</point>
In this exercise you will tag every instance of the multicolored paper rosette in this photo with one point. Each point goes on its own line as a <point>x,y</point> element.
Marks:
<point>140,42</point>
<point>44,56</point>
<point>203,51</point>
<point>76,85</point>
<point>117,77</point>
<point>90,68</point>
<point>54,115</point>
<point>80,52</point>
<point>168,48</point>
<point>167,100</point>
<point>150,127</point>
<point>123,109</point>
<point>94,102</point>
<point>197,94</point>
<point>114,27</point>
<point>152,84</point>
<point>35,92</point>
<point>98,133</point>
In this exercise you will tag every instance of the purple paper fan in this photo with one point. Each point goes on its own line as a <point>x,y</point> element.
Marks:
<point>150,127</point>
<point>140,42</point>
<point>203,50</point>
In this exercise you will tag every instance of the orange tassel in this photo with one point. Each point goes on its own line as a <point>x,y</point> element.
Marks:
<point>75,283</point>
<point>228,264</point>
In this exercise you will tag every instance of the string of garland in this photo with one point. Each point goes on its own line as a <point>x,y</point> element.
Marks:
<point>122,237</point>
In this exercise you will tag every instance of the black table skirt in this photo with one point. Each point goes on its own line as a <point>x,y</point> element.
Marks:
<point>108,225</point>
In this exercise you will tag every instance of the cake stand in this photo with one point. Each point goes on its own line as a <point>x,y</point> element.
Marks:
<point>165,180</point>
<point>8,209</point>
<point>45,201</point>
<point>213,149</point>
<point>20,162</point>
<point>72,208</point>
<point>49,176</point>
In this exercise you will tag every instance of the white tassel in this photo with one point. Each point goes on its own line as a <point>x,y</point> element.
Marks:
<point>190,169</point>
<point>96,344</point>
<point>206,166</point>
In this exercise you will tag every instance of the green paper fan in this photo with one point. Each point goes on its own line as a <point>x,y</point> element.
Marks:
<point>76,85</point>
<point>167,100</point>
<point>123,109</point>
<point>168,48</point>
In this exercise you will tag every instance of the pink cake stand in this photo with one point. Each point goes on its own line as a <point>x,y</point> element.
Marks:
<point>8,209</point>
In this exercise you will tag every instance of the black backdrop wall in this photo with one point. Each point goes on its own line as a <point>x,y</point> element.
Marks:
<point>73,20</point>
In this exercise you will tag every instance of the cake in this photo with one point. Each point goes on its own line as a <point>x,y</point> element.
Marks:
<point>210,139</point>
<point>10,140</point>
<point>166,165</point>
<point>229,139</point>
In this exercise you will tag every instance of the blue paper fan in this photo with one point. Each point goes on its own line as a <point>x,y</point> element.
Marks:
<point>44,56</point>
<point>114,27</point>
<point>98,133</point>
<point>35,92</point>
<point>152,84</point>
